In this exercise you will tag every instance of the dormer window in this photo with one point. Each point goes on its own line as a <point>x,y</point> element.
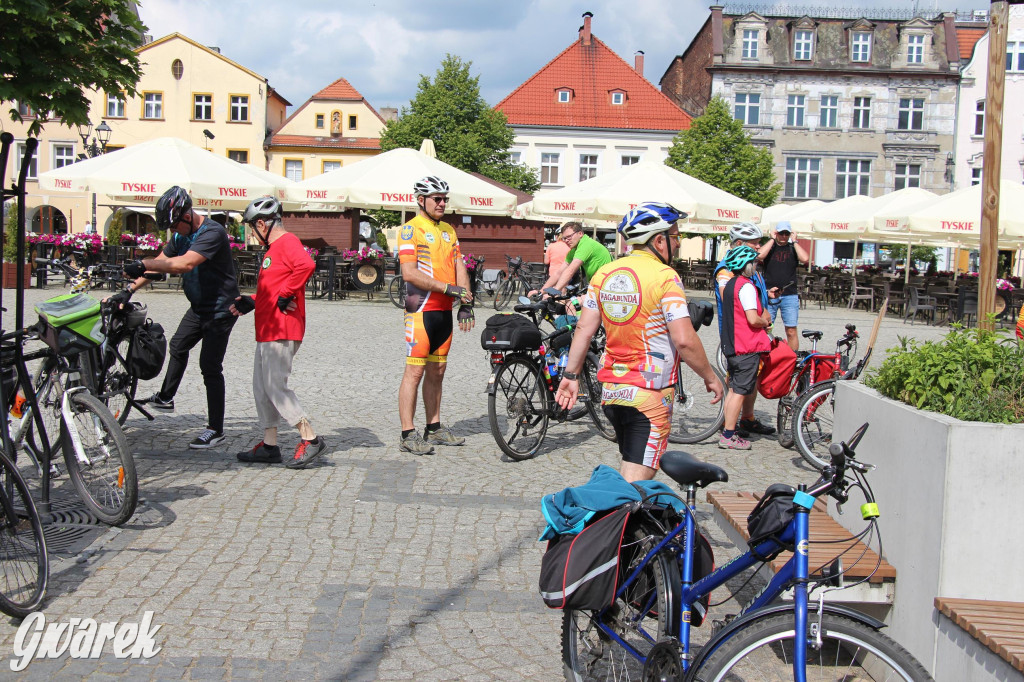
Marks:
<point>750,43</point>
<point>915,49</point>
<point>860,50</point>
<point>618,98</point>
<point>564,95</point>
<point>803,45</point>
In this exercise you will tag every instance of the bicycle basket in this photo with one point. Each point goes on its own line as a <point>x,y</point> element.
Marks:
<point>771,516</point>
<point>515,262</point>
<point>510,332</point>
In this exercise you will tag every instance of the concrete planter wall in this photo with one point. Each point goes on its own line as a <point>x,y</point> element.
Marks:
<point>951,495</point>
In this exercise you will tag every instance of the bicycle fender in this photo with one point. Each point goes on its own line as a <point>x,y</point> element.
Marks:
<point>771,610</point>
<point>492,381</point>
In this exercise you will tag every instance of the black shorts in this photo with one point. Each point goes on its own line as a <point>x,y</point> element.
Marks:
<point>428,336</point>
<point>743,372</point>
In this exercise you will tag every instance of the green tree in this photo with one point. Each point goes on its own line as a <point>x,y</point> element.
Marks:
<point>918,254</point>
<point>52,51</point>
<point>715,149</point>
<point>467,133</point>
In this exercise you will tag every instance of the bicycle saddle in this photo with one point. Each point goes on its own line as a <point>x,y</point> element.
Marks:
<point>813,335</point>
<point>684,469</point>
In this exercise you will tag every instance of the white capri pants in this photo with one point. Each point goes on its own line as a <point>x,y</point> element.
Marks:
<point>271,368</point>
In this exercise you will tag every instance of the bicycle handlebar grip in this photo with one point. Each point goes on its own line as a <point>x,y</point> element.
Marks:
<point>519,308</point>
<point>42,261</point>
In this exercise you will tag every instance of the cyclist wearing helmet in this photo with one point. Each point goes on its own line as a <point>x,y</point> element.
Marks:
<point>200,252</point>
<point>280,323</point>
<point>642,306</point>
<point>744,320</point>
<point>585,254</point>
<point>781,257</point>
<point>435,277</point>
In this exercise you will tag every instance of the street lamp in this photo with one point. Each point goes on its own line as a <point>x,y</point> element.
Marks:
<point>92,149</point>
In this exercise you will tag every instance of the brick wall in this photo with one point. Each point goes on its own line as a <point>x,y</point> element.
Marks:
<point>687,81</point>
<point>493,237</point>
<point>340,230</point>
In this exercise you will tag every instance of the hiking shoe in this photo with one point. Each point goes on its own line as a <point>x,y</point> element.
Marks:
<point>263,453</point>
<point>444,436</point>
<point>306,451</point>
<point>734,443</point>
<point>415,444</point>
<point>750,426</point>
<point>207,439</point>
<point>158,403</point>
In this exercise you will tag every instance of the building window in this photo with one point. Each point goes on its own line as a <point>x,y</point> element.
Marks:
<point>911,114</point>
<point>748,108</point>
<point>975,176</point>
<point>203,110</point>
<point>750,44</point>
<point>861,112</point>
<point>563,95</point>
<point>795,111</point>
<point>293,169</point>
<point>549,162</point>
<point>979,118</point>
<point>239,108</point>
<point>63,155</point>
<point>853,176</point>
<point>829,117</point>
<point>19,150</point>
<point>516,157</point>
<point>803,45</point>
<point>329,166</point>
<point>25,110</point>
<point>861,48</point>
<point>239,155</point>
<point>115,106</point>
<point>618,98</point>
<point>1015,57</point>
<point>152,105</point>
<point>588,166</point>
<point>630,159</point>
<point>320,121</point>
<point>351,122</point>
<point>907,175</point>
<point>915,49</point>
<point>177,69</point>
<point>802,177</point>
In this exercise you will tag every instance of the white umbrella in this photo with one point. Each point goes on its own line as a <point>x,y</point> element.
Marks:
<point>611,195</point>
<point>386,181</point>
<point>139,174</point>
<point>773,214</point>
<point>827,220</point>
<point>956,216</point>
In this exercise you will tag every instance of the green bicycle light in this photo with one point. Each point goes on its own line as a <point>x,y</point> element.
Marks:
<point>869,511</point>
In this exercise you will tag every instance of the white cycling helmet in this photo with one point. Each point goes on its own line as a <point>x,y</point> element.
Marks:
<point>431,184</point>
<point>744,232</point>
<point>647,220</point>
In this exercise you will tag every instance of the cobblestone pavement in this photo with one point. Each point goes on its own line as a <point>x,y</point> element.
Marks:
<point>372,564</point>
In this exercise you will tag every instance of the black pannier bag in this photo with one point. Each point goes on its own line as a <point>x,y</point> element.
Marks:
<point>560,339</point>
<point>510,332</point>
<point>582,571</point>
<point>703,559</point>
<point>148,352</point>
<point>770,517</point>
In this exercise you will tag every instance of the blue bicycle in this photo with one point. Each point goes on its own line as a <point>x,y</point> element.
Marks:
<point>645,633</point>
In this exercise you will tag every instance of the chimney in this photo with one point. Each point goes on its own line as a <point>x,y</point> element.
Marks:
<point>638,62</point>
<point>585,29</point>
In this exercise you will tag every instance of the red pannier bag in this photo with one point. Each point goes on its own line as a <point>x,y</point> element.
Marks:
<point>824,368</point>
<point>777,367</point>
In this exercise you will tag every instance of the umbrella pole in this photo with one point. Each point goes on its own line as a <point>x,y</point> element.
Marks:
<point>956,263</point>
<point>906,263</point>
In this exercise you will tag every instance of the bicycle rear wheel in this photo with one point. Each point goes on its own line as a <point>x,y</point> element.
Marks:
<point>593,388</point>
<point>24,566</point>
<point>784,421</point>
<point>507,292</point>
<point>396,292</point>
<point>106,479</point>
<point>849,650</point>
<point>813,416</point>
<point>694,418</point>
<point>119,385</point>
<point>517,409</point>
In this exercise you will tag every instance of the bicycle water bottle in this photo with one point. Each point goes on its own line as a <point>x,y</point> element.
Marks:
<point>563,361</point>
<point>18,404</point>
<point>552,363</point>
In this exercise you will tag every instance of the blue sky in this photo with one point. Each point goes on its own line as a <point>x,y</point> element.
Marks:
<point>383,46</point>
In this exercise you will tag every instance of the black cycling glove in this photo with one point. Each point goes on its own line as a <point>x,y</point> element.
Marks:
<point>119,299</point>
<point>455,292</point>
<point>245,304</point>
<point>465,313</point>
<point>134,269</point>
<point>283,301</point>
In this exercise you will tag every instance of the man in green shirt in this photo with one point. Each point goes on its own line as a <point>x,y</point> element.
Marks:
<point>584,252</point>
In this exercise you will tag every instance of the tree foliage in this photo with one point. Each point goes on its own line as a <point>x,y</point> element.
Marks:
<point>923,254</point>
<point>715,149</point>
<point>467,133</point>
<point>52,51</point>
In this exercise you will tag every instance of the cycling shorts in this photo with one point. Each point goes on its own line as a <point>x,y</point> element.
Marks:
<point>642,418</point>
<point>428,336</point>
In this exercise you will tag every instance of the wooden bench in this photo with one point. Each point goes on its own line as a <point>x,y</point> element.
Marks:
<point>998,625</point>
<point>859,561</point>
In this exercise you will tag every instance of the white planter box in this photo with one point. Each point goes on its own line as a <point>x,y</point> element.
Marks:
<point>951,495</point>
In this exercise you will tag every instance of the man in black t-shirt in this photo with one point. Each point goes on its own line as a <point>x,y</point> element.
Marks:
<point>781,257</point>
<point>200,252</point>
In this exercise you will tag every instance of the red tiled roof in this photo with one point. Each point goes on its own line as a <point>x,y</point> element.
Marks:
<point>592,72</point>
<point>966,38</point>
<point>325,142</point>
<point>339,89</point>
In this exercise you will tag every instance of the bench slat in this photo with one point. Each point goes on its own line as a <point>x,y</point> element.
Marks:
<point>998,625</point>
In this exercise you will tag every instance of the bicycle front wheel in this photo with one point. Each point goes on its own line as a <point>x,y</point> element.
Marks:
<point>694,418</point>
<point>24,566</point>
<point>105,474</point>
<point>119,385</point>
<point>48,400</point>
<point>849,651</point>
<point>517,409</point>
<point>813,415</point>
<point>593,388</point>
<point>507,292</point>
<point>396,292</point>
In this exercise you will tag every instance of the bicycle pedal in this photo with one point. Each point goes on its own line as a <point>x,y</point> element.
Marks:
<point>55,471</point>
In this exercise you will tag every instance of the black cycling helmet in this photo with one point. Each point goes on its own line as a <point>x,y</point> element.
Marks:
<point>267,209</point>
<point>171,206</point>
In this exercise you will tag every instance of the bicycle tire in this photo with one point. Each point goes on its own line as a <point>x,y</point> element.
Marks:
<point>107,484</point>
<point>763,650</point>
<point>694,418</point>
<point>723,364</point>
<point>783,421</point>
<point>587,653</point>
<point>24,565</point>
<point>396,292</point>
<point>508,291</point>
<point>119,385</point>
<point>517,409</point>
<point>48,400</point>
<point>813,417</point>
<point>594,390</point>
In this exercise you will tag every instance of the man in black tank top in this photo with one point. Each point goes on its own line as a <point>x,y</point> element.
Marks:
<point>781,257</point>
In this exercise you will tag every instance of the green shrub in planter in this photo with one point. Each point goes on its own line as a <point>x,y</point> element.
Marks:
<point>971,374</point>
<point>11,236</point>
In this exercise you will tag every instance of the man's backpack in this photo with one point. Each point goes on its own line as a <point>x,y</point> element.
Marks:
<point>149,350</point>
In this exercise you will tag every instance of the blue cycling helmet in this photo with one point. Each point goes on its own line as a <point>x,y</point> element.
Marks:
<point>739,257</point>
<point>647,220</point>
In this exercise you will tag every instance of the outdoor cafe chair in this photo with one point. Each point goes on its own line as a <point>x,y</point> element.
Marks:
<point>918,303</point>
<point>861,293</point>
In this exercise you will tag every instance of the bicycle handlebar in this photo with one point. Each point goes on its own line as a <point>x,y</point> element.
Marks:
<point>833,477</point>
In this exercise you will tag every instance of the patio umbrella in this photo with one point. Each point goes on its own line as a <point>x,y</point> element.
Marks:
<point>139,174</point>
<point>956,216</point>
<point>386,180</point>
<point>773,214</point>
<point>826,221</point>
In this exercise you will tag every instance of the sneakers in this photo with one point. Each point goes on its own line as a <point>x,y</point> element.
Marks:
<point>207,439</point>
<point>749,426</point>
<point>444,436</point>
<point>415,444</point>
<point>263,453</point>
<point>158,403</point>
<point>306,451</point>
<point>734,443</point>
